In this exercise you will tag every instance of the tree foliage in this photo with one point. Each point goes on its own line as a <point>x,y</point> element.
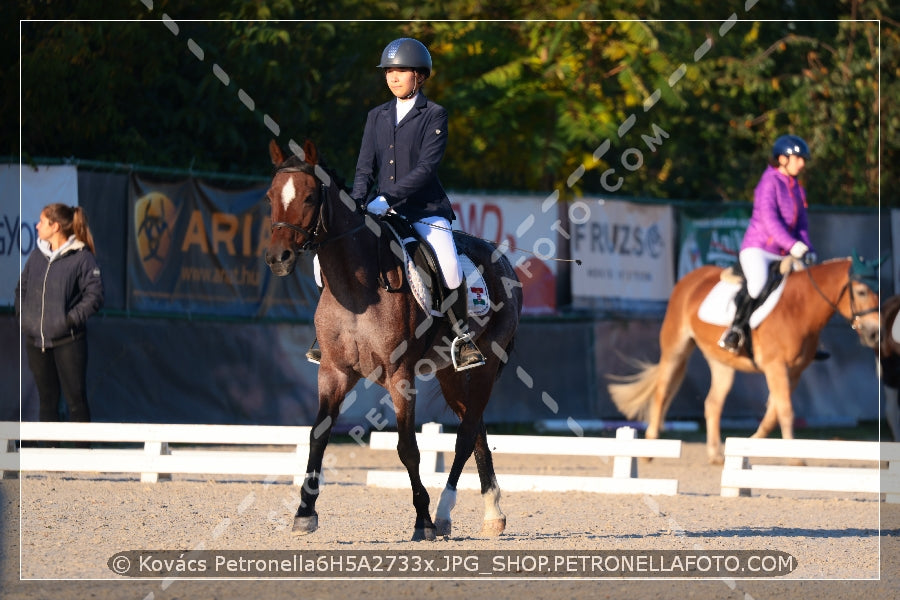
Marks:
<point>670,100</point>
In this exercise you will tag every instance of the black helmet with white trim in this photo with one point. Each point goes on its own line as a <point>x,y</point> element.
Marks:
<point>406,53</point>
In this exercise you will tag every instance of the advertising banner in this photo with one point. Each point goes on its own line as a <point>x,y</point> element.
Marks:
<point>40,186</point>
<point>710,240</point>
<point>198,249</point>
<point>516,222</point>
<point>625,250</point>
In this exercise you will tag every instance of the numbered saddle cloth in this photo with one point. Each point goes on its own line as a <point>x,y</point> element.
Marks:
<point>419,279</point>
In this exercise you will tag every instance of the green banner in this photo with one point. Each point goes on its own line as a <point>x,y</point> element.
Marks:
<point>710,240</point>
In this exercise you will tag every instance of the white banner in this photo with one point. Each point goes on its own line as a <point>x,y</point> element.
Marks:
<point>19,214</point>
<point>517,221</point>
<point>626,250</point>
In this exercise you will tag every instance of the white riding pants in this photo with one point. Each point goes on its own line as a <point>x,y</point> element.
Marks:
<point>755,264</point>
<point>436,231</point>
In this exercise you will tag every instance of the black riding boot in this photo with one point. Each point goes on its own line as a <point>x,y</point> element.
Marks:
<point>464,352</point>
<point>734,337</point>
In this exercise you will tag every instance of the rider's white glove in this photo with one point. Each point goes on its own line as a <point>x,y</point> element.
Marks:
<point>378,206</point>
<point>799,250</point>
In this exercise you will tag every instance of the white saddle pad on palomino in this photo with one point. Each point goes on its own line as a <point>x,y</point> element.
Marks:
<point>718,307</point>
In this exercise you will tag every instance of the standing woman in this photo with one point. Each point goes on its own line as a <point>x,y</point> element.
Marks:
<point>402,145</point>
<point>60,287</point>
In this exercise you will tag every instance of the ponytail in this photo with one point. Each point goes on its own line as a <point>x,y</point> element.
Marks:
<point>81,230</point>
<point>71,220</point>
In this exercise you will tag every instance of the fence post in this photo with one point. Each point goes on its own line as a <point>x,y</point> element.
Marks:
<point>431,462</point>
<point>155,449</point>
<point>893,473</point>
<point>625,467</point>
<point>8,454</point>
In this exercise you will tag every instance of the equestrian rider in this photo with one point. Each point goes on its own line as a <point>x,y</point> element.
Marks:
<point>778,226</point>
<point>402,145</point>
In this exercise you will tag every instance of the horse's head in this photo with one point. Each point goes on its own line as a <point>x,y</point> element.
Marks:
<point>295,200</point>
<point>862,299</point>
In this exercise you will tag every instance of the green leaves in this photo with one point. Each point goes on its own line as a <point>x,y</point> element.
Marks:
<point>529,100</point>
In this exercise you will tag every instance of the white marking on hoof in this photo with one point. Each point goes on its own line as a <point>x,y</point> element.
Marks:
<point>445,504</point>
<point>494,519</point>
<point>305,525</point>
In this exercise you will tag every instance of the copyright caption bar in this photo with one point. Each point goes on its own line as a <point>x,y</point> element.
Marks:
<point>453,564</point>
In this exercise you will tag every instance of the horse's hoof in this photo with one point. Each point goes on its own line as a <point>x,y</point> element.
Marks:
<point>493,527</point>
<point>442,527</point>
<point>305,525</point>
<point>717,459</point>
<point>423,534</point>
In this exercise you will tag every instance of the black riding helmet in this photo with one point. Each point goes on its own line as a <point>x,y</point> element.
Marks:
<point>406,53</point>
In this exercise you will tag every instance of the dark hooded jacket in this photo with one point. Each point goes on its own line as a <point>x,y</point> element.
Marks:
<point>57,293</point>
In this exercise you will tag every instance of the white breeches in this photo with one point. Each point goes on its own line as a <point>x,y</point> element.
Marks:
<point>440,237</point>
<point>755,264</point>
<point>317,270</point>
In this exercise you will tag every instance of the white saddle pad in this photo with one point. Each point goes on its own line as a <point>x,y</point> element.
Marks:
<point>718,307</point>
<point>479,300</point>
<point>895,330</point>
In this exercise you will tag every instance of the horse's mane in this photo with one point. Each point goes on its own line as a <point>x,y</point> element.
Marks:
<point>295,161</point>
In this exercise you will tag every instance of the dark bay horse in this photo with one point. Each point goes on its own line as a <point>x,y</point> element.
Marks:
<point>366,331</point>
<point>783,344</point>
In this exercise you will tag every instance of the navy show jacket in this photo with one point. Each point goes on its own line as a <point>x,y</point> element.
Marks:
<point>400,162</point>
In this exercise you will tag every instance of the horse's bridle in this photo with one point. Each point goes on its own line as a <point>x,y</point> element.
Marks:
<point>309,243</point>
<point>322,190</point>
<point>855,315</point>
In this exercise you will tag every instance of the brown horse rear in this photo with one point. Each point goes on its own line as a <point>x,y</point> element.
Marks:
<point>783,345</point>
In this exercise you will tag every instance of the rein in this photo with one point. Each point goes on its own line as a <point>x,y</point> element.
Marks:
<point>854,314</point>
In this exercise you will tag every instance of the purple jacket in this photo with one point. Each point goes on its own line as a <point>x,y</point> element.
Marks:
<point>779,214</point>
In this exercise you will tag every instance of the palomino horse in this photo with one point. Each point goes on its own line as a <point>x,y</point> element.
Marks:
<point>889,363</point>
<point>783,345</point>
<point>366,330</point>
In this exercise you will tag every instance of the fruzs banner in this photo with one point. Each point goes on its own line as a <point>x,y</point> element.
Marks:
<point>199,249</point>
<point>625,250</point>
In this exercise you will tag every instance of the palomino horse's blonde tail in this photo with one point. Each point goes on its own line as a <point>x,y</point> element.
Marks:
<point>632,396</point>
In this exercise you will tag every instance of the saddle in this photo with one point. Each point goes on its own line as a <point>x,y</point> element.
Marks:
<point>422,256</point>
<point>720,304</point>
<point>422,271</point>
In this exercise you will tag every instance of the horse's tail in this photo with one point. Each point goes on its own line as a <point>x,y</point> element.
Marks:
<point>632,396</point>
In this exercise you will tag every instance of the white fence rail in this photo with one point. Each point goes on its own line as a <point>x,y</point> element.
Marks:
<point>739,476</point>
<point>156,459</point>
<point>624,451</point>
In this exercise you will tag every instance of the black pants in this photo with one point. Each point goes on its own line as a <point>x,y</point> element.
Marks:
<point>62,369</point>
